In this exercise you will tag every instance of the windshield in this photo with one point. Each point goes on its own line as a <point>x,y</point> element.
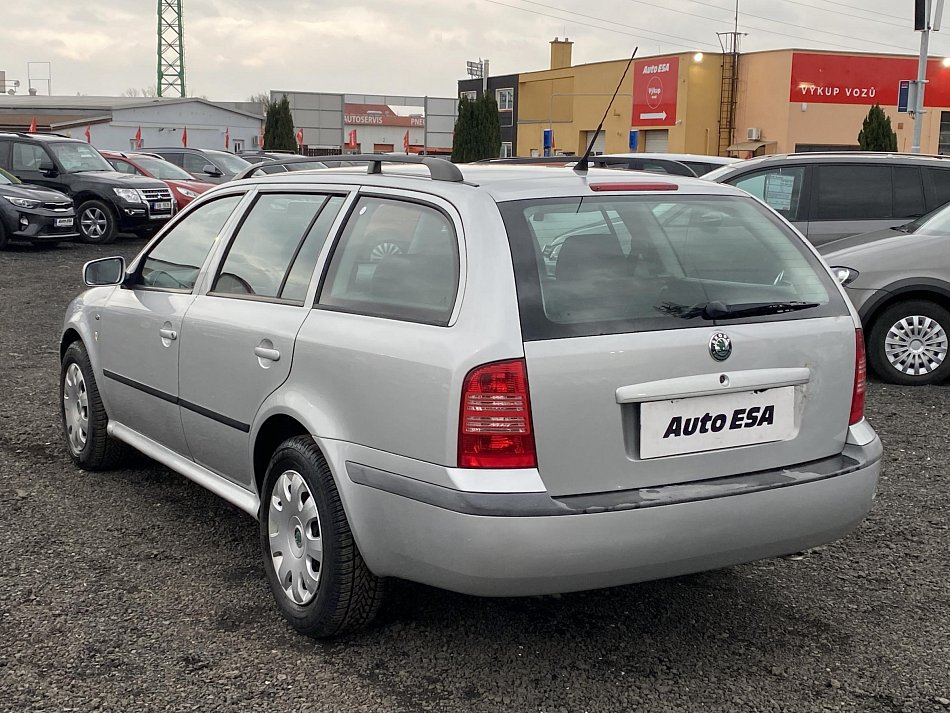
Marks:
<point>8,179</point>
<point>78,157</point>
<point>593,265</point>
<point>229,162</point>
<point>935,222</point>
<point>163,169</point>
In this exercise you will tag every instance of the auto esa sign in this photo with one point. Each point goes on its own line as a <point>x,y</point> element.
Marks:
<point>655,84</point>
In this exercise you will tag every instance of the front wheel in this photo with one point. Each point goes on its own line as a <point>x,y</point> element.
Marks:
<point>908,344</point>
<point>84,417</point>
<point>314,569</point>
<point>96,223</point>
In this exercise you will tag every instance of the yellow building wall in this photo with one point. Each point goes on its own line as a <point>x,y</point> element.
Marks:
<point>572,101</point>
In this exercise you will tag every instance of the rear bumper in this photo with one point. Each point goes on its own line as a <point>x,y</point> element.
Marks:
<point>534,544</point>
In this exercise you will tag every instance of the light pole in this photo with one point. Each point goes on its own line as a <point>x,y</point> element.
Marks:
<point>923,24</point>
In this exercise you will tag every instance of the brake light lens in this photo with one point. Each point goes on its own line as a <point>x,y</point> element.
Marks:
<point>860,379</point>
<point>495,422</point>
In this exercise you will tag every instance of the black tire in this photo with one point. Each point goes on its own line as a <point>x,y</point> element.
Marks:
<point>3,235</point>
<point>96,223</point>
<point>98,450</point>
<point>348,595</point>
<point>891,317</point>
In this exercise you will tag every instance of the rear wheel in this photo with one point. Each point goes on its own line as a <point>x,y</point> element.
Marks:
<point>96,223</point>
<point>314,569</point>
<point>3,236</point>
<point>909,344</point>
<point>84,417</point>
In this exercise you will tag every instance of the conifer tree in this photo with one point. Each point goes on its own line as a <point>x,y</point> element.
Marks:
<point>876,134</point>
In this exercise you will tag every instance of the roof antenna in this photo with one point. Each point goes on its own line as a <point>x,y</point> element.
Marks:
<point>582,165</point>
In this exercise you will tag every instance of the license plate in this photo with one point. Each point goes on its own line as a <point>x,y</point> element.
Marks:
<point>164,205</point>
<point>709,423</point>
<point>63,222</point>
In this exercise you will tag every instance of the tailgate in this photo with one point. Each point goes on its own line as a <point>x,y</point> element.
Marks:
<point>633,410</point>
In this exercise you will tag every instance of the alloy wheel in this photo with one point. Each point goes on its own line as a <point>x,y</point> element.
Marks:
<point>296,544</point>
<point>93,222</point>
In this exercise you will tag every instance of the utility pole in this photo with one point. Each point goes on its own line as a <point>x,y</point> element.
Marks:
<point>923,23</point>
<point>171,49</point>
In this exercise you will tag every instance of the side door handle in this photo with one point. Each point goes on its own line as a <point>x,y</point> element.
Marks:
<point>166,333</point>
<point>268,354</point>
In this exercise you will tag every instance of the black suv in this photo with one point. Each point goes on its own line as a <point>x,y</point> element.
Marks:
<point>107,202</point>
<point>33,214</point>
<point>209,165</point>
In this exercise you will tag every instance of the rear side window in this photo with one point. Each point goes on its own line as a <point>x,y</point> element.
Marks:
<point>853,192</point>
<point>269,239</point>
<point>908,192</point>
<point>592,265</point>
<point>780,188</point>
<point>941,185</point>
<point>395,259</point>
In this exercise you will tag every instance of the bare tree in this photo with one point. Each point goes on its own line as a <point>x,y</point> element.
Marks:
<point>130,92</point>
<point>149,91</point>
<point>260,98</point>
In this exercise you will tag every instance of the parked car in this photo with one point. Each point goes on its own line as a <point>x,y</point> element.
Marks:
<point>833,195</point>
<point>32,214</point>
<point>699,163</point>
<point>292,163</point>
<point>633,162</point>
<point>208,165</point>
<point>183,186</point>
<point>899,281</point>
<point>261,156</point>
<point>666,398</point>
<point>106,202</point>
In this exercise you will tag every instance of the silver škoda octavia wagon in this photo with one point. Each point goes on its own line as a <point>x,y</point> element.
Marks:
<point>500,380</point>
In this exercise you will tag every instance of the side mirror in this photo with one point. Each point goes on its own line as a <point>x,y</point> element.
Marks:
<point>48,169</point>
<point>212,170</point>
<point>103,272</point>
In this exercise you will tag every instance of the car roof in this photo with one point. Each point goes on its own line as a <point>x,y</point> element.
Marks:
<point>49,138</point>
<point>843,156</point>
<point>502,181</point>
<point>678,157</point>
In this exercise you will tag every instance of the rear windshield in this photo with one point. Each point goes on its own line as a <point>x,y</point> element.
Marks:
<point>608,265</point>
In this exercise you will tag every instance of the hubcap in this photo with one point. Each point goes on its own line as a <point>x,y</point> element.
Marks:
<point>76,408</point>
<point>296,544</point>
<point>93,222</point>
<point>916,345</point>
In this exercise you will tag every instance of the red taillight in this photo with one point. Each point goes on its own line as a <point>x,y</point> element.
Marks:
<point>633,187</point>
<point>860,379</point>
<point>495,421</point>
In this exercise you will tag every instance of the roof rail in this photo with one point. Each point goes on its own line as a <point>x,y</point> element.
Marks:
<point>439,168</point>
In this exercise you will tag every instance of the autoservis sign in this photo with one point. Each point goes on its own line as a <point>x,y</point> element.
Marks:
<point>856,79</point>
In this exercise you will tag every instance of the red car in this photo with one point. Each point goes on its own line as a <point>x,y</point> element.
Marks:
<point>184,188</point>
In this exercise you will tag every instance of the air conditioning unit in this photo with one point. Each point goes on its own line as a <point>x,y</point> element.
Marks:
<point>753,134</point>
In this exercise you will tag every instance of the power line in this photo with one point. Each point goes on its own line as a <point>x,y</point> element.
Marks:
<point>836,12</point>
<point>691,43</point>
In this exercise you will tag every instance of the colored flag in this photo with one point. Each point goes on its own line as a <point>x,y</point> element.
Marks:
<point>138,138</point>
<point>184,137</point>
<point>261,144</point>
<point>33,126</point>
<point>405,141</point>
<point>351,142</point>
<point>88,135</point>
<point>299,137</point>
<point>227,138</point>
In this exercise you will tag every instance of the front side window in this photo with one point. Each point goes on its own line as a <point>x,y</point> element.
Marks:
<point>76,157</point>
<point>395,259</point>
<point>270,237</point>
<point>174,263</point>
<point>28,157</point>
<point>195,163</point>
<point>780,188</point>
<point>123,166</point>
<point>587,266</point>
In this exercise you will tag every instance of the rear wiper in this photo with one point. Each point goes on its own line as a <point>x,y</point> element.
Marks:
<point>720,310</point>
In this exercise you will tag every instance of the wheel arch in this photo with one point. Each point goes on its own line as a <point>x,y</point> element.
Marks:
<point>276,429</point>
<point>931,290</point>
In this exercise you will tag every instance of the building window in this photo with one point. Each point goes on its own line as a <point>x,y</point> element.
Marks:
<point>505,99</point>
<point>944,147</point>
<point>471,96</point>
<point>506,149</point>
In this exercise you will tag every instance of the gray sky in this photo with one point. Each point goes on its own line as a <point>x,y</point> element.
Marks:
<point>235,48</point>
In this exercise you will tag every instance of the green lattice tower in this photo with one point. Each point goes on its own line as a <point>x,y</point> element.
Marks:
<point>171,49</point>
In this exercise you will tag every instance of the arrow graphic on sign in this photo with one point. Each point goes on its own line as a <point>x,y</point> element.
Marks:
<point>656,115</point>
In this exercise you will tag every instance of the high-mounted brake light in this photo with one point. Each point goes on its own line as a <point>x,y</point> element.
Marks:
<point>495,421</point>
<point>633,187</point>
<point>860,379</point>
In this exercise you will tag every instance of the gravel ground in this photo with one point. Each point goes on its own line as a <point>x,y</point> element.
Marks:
<point>138,591</point>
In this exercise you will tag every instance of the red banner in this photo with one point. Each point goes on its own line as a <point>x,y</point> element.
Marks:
<point>849,79</point>
<point>655,82</point>
<point>379,115</point>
